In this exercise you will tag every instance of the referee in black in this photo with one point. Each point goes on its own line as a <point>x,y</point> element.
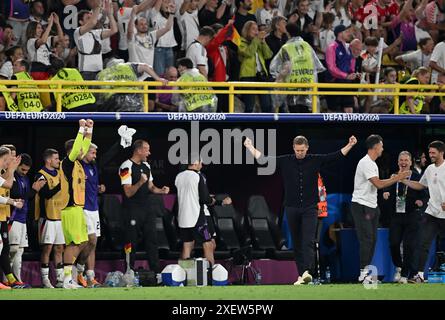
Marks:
<point>300,174</point>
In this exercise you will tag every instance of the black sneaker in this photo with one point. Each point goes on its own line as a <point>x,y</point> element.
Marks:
<point>416,279</point>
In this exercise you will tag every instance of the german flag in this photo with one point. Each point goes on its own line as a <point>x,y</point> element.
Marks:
<point>124,173</point>
<point>236,38</point>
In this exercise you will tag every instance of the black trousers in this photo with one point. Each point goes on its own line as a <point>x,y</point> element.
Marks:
<point>430,227</point>
<point>140,222</point>
<point>366,221</point>
<point>5,262</point>
<point>303,225</point>
<point>404,228</point>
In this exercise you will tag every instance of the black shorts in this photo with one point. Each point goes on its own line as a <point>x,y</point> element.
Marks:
<point>211,226</point>
<point>199,233</point>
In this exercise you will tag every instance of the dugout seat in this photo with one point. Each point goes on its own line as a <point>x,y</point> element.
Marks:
<point>265,230</point>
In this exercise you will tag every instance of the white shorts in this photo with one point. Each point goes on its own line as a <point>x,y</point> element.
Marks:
<point>93,222</point>
<point>51,232</point>
<point>18,234</point>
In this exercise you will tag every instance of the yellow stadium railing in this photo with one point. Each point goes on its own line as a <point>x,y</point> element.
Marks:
<point>231,88</point>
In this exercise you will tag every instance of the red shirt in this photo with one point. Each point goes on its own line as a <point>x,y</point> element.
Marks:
<point>373,8</point>
<point>358,14</point>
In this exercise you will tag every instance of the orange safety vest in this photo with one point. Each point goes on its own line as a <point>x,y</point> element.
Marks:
<point>323,203</point>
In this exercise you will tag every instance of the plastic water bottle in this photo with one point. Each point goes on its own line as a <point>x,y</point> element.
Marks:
<point>328,275</point>
<point>136,280</point>
<point>258,277</point>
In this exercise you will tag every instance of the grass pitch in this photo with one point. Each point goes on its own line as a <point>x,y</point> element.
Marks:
<point>264,292</point>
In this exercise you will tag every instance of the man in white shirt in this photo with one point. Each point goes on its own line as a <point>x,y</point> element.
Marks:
<point>365,211</point>
<point>88,40</point>
<point>264,15</point>
<point>437,61</point>
<point>197,51</point>
<point>418,58</point>
<point>189,21</point>
<point>434,223</point>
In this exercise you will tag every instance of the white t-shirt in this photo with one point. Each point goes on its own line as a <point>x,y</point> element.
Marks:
<point>106,43</point>
<point>198,54</point>
<point>123,18</point>
<point>141,48</point>
<point>365,193</point>
<point>159,22</point>
<point>315,6</point>
<point>325,38</point>
<point>264,16</point>
<point>343,19</point>
<point>189,28</point>
<point>438,56</point>
<point>434,179</point>
<point>6,70</point>
<point>187,184</point>
<point>416,59</point>
<point>85,44</point>
<point>42,53</point>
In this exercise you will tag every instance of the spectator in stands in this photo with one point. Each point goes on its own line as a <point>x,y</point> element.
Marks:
<point>63,52</point>
<point>164,56</point>
<point>419,58</point>
<point>406,209</point>
<point>370,60</point>
<point>13,54</point>
<point>37,11</point>
<point>296,62</point>
<point>300,172</point>
<point>211,13</point>
<point>437,61</point>
<point>342,15</point>
<point>378,15</point>
<point>341,67</point>
<point>252,53</point>
<point>26,101</point>
<point>193,102</point>
<point>325,37</point>
<point>197,52</point>
<point>403,23</point>
<point>6,37</point>
<point>137,184</point>
<point>432,15</point>
<point>88,40</point>
<point>364,207</point>
<point>39,45</point>
<point>189,21</point>
<point>18,18</point>
<point>415,104</point>
<point>383,104</point>
<point>277,37</point>
<point>242,15</point>
<point>164,100</point>
<point>304,21</point>
<point>265,15</point>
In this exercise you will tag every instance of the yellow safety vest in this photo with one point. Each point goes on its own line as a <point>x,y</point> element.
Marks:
<point>302,62</point>
<point>72,100</point>
<point>78,184</point>
<point>118,72</point>
<point>5,209</point>
<point>54,205</point>
<point>194,101</point>
<point>10,103</point>
<point>28,101</point>
<point>418,101</point>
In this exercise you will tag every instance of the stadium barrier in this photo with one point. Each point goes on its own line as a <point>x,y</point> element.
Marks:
<point>231,88</point>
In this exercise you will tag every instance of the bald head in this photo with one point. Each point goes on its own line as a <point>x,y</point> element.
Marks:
<point>171,74</point>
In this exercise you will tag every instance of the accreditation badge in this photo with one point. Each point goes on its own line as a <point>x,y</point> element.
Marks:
<point>401,204</point>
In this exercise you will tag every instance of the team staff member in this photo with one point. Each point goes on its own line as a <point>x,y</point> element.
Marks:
<point>49,202</point>
<point>434,180</point>
<point>296,62</point>
<point>18,234</point>
<point>300,173</point>
<point>137,183</point>
<point>193,197</point>
<point>407,204</point>
<point>365,211</point>
<point>73,184</point>
<point>8,164</point>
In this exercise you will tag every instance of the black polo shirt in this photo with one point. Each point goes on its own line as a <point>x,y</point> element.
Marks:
<point>301,177</point>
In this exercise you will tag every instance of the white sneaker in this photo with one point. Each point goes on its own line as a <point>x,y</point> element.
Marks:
<point>47,284</point>
<point>369,280</point>
<point>403,280</point>
<point>303,279</point>
<point>363,275</point>
<point>398,275</point>
<point>70,285</point>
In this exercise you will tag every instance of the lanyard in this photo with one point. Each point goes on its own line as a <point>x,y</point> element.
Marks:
<point>405,189</point>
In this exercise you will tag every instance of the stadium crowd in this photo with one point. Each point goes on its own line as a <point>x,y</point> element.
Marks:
<point>301,41</point>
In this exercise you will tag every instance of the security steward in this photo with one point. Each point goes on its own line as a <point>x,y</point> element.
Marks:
<point>28,101</point>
